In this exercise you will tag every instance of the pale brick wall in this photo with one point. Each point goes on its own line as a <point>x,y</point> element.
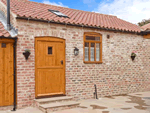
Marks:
<point>118,74</point>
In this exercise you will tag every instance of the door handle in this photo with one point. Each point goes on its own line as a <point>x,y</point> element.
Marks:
<point>61,62</point>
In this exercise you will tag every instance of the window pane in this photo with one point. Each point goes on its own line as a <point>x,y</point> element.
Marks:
<point>86,58</point>
<point>97,52</point>
<point>50,50</point>
<point>92,38</point>
<point>92,51</point>
<point>3,45</point>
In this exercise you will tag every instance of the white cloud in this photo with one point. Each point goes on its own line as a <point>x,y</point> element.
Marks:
<point>54,3</point>
<point>130,10</point>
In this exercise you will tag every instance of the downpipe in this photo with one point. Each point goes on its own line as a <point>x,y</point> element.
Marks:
<point>9,28</point>
<point>8,15</point>
<point>14,108</point>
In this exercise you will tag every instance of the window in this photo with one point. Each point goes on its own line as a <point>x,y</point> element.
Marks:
<point>3,45</point>
<point>50,50</point>
<point>92,48</point>
<point>58,13</point>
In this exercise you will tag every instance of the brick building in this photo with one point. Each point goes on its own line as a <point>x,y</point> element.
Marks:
<point>54,35</point>
<point>145,30</point>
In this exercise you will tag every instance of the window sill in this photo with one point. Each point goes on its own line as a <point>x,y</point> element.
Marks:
<point>93,62</point>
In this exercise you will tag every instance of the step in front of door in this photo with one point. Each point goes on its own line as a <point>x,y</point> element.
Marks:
<point>53,99</point>
<point>47,108</point>
<point>4,108</point>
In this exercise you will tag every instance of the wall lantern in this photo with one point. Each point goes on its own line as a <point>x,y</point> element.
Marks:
<point>133,55</point>
<point>76,51</point>
<point>26,53</point>
<point>108,36</point>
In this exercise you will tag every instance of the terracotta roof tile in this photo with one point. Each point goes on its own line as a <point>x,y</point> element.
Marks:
<point>146,27</point>
<point>3,32</point>
<point>35,10</point>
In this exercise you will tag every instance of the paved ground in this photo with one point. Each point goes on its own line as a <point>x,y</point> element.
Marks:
<point>26,110</point>
<point>132,103</point>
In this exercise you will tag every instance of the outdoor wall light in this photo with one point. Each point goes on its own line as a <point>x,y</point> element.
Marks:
<point>76,51</point>
<point>133,55</point>
<point>108,36</point>
<point>26,53</point>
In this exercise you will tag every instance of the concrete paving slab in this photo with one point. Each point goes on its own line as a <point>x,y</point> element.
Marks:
<point>147,101</point>
<point>3,112</point>
<point>79,110</point>
<point>25,110</point>
<point>129,111</point>
<point>121,104</point>
<point>141,94</point>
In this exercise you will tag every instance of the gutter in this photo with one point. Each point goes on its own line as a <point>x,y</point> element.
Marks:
<point>145,32</point>
<point>114,30</point>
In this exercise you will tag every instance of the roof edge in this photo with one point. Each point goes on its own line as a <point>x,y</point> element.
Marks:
<point>145,32</point>
<point>79,25</point>
<point>9,37</point>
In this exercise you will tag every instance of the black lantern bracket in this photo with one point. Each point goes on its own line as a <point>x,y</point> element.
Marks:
<point>26,54</point>
<point>76,51</point>
<point>132,57</point>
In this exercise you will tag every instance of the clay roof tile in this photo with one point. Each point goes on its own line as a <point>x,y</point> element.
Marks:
<point>3,32</point>
<point>146,27</point>
<point>36,10</point>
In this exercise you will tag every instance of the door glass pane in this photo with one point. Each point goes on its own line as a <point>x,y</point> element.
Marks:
<point>93,38</point>
<point>86,58</point>
<point>3,45</point>
<point>92,51</point>
<point>97,52</point>
<point>50,52</point>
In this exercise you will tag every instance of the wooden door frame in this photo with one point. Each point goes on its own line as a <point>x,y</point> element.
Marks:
<point>49,39</point>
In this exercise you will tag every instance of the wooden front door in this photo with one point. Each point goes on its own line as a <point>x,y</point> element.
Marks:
<point>6,72</point>
<point>49,66</point>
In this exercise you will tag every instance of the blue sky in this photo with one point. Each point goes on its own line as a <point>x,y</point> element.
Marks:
<point>86,5</point>
<point>130,10</point>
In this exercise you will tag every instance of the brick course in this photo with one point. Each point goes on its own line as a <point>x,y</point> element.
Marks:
<point>118,74</point>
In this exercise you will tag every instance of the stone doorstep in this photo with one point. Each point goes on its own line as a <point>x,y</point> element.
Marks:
<point>58,106</point>
<point>53,99</point>
<point>3,108</point>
